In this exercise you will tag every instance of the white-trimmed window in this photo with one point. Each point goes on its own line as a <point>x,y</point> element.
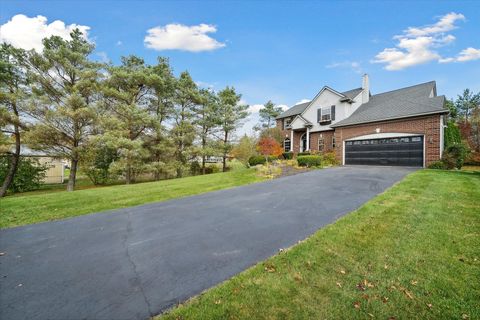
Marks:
<point>287,123</point>
<point>321,143</point>
<point>287,144</point>
<point>326,114</point>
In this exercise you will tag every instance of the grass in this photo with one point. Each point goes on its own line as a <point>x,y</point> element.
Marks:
<point>27,209</point>
<point>412,252</point>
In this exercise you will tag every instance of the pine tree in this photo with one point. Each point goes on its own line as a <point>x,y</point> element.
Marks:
<point>65,87</point>
<point>231,113</point>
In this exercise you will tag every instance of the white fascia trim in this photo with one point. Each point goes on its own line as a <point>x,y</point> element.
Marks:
<point>384,135</point>
<point>319,93</point>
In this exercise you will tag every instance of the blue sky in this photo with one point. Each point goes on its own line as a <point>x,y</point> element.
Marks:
<point>281,51</point>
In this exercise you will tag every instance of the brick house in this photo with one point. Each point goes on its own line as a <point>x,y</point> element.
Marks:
<point>400,127</point>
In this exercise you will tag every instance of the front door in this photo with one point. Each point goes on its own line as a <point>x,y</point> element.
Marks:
<point>303,142</point>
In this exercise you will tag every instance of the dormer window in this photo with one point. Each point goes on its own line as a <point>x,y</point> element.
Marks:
<point>287,123</point>
<point>326,115</point>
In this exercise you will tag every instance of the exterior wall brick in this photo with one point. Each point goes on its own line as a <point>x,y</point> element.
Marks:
<point>429,126</point>
<point>327,139</point>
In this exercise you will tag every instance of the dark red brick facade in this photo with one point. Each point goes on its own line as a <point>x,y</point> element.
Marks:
<point>428,126</point>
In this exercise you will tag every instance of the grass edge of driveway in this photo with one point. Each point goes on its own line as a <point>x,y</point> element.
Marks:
<point>30,209</point>
<point>408,253</point>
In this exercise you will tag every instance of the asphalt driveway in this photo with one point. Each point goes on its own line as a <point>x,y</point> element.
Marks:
<point>136,262</point>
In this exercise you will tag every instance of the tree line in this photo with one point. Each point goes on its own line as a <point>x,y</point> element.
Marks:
<point>129,119</point>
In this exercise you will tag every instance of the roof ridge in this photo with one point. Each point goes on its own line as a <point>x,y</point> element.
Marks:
<point>415,85</point>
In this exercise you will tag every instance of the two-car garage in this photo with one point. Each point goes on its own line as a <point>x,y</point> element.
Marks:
<point>389,151</point>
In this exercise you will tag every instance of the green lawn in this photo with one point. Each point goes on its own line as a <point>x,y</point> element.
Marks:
<point>413,252</point>
<point>34,208</point>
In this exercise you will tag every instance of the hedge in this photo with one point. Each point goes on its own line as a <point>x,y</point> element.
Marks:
<point>256,160</point>
<point>309,161</point>
<point>287,155</point>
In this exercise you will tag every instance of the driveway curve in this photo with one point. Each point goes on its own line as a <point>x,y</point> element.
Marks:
<point>136,262</point>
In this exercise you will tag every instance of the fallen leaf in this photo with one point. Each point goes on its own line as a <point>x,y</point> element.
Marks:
<point>368,284</point>
<point>385,266</point>
<point>218,301</point>
<point>360,287</point>
<point>392,318</point>
<point>414,282</point>
<point>270,268</point>
<point>465,316</point>
<point>365,296</point>
<point>408,294</point>
<point>339,284</point>
<point>429,305</point>
<point>298,277</point>
<point>371,315</point>
<point>356,305</point>
<point>342,271</point>
<point>385,299</point>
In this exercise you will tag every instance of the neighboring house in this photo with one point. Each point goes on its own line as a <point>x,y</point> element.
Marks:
<point>401,127</point>
<point>55,166</point>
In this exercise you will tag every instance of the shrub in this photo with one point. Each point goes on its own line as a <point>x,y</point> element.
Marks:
<point>28,177</point>
<point>452,134</point>
<point>457,152</point>
<point>256,160</point>
<point>309,161</point>
<point>96,164</point>
<point>437,165</point>
<point>473,159</point>
<point>287,155</point>
<point>212,168</point>
<point>306,153</point>
<point>329,159</point>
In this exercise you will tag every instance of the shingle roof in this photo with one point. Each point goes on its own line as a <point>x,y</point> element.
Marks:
<point>350,94</point>
<point>405,102</point>
<point>299,108</point>
<point>293,111</point>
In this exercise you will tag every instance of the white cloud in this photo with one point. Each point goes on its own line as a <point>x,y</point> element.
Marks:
<point>465,55</point>
<point>119,43</point>
<point>355,66</point>
<point>27,33</point>
<point>181,37</point>
<point>445,24</point>
<point>255,108</point>
<point>418,45</point>
<point>103,57</point>
<point>303,101</point>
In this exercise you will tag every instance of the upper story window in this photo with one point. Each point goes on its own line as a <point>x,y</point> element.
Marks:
<point>326,115</point>
<point>287,123</point>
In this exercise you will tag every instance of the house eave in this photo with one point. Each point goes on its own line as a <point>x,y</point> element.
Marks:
<point>390,119</point>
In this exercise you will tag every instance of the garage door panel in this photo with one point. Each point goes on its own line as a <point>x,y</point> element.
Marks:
<point>403,151</point>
